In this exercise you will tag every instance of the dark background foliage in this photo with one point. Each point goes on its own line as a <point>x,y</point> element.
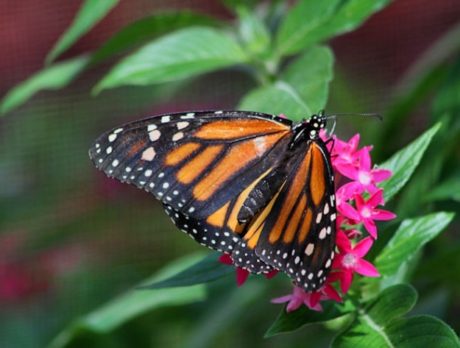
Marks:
<point>72,239</point>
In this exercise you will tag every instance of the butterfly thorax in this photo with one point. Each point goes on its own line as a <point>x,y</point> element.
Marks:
<point>308,129</point>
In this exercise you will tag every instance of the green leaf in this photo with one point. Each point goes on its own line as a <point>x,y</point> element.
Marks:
<point>404,162</point>
<point>421,331</point>
<point>56,76</point>
<point>348,16</point>
<point>206,270</point>
<point>90,13</point>
<point>302,89</point>
<point>449,189</point>
<point>253,32</point>
<point>286,322</point>
<point>182,54</point>
<point>134,303</point>
<point>410,237</point>
<point>301,20</point>
<point>148,28</point>
<point>369,326</point>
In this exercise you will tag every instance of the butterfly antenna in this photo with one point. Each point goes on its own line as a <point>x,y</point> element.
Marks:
<point>375,115</point>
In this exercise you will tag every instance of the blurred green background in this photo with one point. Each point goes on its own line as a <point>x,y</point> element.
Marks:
<point>71,239</point>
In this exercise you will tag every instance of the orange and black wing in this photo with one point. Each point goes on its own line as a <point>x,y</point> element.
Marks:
<point>295,232</point>
<point>195,162</point>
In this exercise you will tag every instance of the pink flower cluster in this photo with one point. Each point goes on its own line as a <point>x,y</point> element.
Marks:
<point>358,197</point>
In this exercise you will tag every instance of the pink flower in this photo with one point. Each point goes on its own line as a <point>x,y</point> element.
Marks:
<point>364,177</point>
<point>241,273</point>
<point>309,299</point>
<point>350,260</point>
<point>366,211</point>
<point>344,153</point>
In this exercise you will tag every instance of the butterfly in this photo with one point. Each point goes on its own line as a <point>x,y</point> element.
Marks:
<point>256,186</point>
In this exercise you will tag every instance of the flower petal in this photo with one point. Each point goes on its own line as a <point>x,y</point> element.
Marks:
<point>342,241</point>
<point>348,211</point>
<point>363,246</point>
<point>366,268</point>
<point>381,174</point>
<point>241,276</point>
<point>331,294</point>
<point>348,170</point>
<point>345,281</point>
<point>382,215</point>
<point>364,159</point>
<point>370,227</point>
<point>281,299</point>
<point>294,304</point>
<point>376,199</point>
<point>271,274</point>
<point>226,259</point>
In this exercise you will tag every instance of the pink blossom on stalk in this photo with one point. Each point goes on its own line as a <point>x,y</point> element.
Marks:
<point>309,299</point>
<point>241,273</point>
<point>364,177</point>
<point>366,211</point>
<point>350,260</point>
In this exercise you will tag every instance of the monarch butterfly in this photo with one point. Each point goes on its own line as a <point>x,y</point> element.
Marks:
<point>253,185</point>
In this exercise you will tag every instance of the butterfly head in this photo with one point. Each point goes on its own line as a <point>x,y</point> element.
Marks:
<point>314,125</point>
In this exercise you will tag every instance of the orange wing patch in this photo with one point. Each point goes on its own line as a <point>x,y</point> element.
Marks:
<point>182,152</point>
<point>217,219</point>
<point>298,184</point>
<point>257,224</point>
<point>317,182</point>
<point>198,164</point>
<point>293,223</point>
<point>238,156</point>
<point>232,129</point>
<point>306,224</point>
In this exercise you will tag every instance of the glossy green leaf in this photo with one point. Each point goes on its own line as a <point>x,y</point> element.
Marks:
<point>449,189</point>
<point>380,325</point>
<point>253,32</point>
<point>369,326</point>
<point>182,54</point>
<point>90,13</point>
<point>205,270</point>
<point>148,28</point>
<point>349,15</point>
<point>53,77</point>
<point>286,322</point>
<point>421,331</point>
<point>410,237</point>
<point>404,162</point>
<point>301,20</point>
<point>134,303</point>
<point>301,91</point>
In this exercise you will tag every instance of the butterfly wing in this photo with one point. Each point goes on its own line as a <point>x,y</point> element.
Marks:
<point>295,232</point>
<point>194,162</point>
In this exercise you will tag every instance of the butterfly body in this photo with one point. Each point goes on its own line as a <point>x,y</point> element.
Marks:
<point>253,185</point>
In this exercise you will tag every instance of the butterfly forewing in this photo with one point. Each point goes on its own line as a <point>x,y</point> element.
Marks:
<point>194,162</point>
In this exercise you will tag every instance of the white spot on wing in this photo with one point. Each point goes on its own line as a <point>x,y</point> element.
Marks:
<point>154,135</point>
<point>182,125</point>
<point>309,249</point>
<point>178,136</point>
<point>165,119</point>
<point>148,154</point>
<point>151,127</point>
<point>112,137</point>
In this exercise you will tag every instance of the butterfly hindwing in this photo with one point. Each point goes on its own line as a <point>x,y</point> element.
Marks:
<point>194,162</point>
<point>297,235</point>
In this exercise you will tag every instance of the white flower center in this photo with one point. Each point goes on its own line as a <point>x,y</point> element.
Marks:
<point>366,212</point>
<point>364,178</point>
<point>349,261</point>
